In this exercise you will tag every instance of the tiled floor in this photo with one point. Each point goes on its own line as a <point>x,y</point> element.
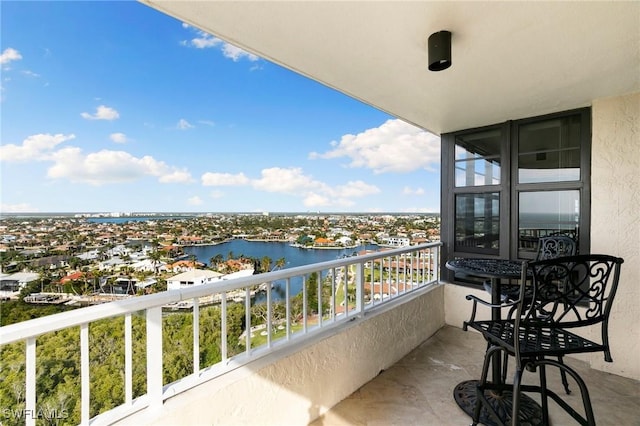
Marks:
<point>418,390</point>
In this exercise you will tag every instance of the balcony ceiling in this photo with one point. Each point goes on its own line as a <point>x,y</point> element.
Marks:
<point>510,59</point>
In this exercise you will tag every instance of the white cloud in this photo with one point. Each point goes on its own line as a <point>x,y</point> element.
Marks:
<point>31,73</point>
<point>206,40</point>
<point>184,124</point>
<point>207,122</point>
<point>288,181</point>
<point>292,181</point>
<point>17,208</point>
<point>9,54</point>
<point>34,148</point>
<point>356,189</point>
<point>102,113</point>
<point>110,167</point>
<point>118,137</point>
<point>315,193</point>
<point>316,200</point>
<point>341,195</point>
<point>177,176</point>
<point>194,201</point>
<point>235,53</point>
<point>410,191</point>
<point>395,146</point>
<point>224,179</point>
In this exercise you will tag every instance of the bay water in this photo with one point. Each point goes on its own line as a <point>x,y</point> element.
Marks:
<point>293,256</point>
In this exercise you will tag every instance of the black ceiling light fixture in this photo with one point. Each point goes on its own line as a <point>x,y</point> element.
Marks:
<point>439,45</point>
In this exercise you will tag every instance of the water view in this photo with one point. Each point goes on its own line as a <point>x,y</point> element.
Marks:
<point>293,256</point>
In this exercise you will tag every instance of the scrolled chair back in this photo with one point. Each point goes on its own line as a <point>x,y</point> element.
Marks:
<point>556,246</point>
<point>569,292</point>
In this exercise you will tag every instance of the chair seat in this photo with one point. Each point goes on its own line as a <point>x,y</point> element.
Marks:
<point>535,340</point>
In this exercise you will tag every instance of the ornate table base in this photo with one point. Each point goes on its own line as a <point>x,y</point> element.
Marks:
<point>465,396</point>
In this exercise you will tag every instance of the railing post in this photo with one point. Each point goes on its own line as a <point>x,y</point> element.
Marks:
<point>84,374</point>
<point>359,281</point>
<point>223,326</point>
<point>128,360</point>
<point>269,315</point>
<point>287,292</point>
<point>247,319</point>
<point>30,394</point>
<point>435,264</point>
<point>196,336</point>
<point>154,356</point>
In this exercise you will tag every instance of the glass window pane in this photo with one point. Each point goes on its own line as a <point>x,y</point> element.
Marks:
<point>549,151</point>
<point>547,213</point>
<point>477,222</point>
<point>477,158</point>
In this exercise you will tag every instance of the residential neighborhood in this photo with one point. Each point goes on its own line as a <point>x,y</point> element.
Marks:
<point>88,259</point>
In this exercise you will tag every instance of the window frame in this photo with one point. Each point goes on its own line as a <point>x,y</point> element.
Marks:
<point>509,189</point>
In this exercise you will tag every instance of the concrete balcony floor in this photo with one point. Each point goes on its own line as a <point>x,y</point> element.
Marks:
<point>418,389</point>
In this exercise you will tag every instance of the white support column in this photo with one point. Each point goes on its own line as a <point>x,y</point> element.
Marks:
<point>269,315</point>
<point>359,282</point>
<point>287,292</point>
<point>85,387</point>
<point>247,317</point>
<point>154,356</point>
<point>30,403</point>
<point>128,360</point>
<point>196,336</point>
<point>223,326</point>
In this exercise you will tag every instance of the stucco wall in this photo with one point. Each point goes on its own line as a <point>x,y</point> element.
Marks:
<point>615,220</point>
<point>301,386</point>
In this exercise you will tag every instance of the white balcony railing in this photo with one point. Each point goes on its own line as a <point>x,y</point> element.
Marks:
<point>276,310</point>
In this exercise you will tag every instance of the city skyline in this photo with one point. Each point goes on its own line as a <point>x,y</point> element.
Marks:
<point>115,107</point>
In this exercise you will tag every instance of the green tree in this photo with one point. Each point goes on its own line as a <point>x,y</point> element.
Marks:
<point>265,264</point>
<point>280,263</point>
<point>216,260</point>
<point>156,257</point>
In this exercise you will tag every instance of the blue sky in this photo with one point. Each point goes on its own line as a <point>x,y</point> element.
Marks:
<point>116,107</point>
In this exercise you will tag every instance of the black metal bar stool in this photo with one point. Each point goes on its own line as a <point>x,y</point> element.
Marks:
<point>561,296</point>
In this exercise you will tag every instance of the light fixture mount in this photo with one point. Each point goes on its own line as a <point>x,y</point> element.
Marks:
<point>439,46</point>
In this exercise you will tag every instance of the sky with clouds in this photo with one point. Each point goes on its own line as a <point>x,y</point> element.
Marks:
<point>116,107</point>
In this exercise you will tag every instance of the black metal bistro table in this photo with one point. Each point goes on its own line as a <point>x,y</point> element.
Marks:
<point>465,392</point>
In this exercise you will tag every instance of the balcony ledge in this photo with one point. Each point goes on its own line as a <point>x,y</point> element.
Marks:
<point>312,377</point>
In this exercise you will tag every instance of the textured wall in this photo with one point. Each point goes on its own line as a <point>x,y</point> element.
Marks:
<point>615,220</point>
<point>299,387</point>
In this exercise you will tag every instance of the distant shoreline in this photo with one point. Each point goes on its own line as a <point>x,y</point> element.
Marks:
<point>258,240</point>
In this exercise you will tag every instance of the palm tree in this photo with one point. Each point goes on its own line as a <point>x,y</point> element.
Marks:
<point>265,264</point>
<point>216,260</point>
<point>155,257</point>
<point>280,263</point>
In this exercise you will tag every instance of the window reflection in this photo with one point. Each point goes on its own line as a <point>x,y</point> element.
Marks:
<point>545,213</point>
<point>477,158</point>
<point>477,222</point>
<point>549,151</point>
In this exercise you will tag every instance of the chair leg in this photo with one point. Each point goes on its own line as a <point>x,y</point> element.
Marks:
<point>544,398</point>
<point>563,374</point>
<point>480,389</point>
<point>515,413</point>
<point>481,383</point>
<point>505,367</point>
<point>588,418</point>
